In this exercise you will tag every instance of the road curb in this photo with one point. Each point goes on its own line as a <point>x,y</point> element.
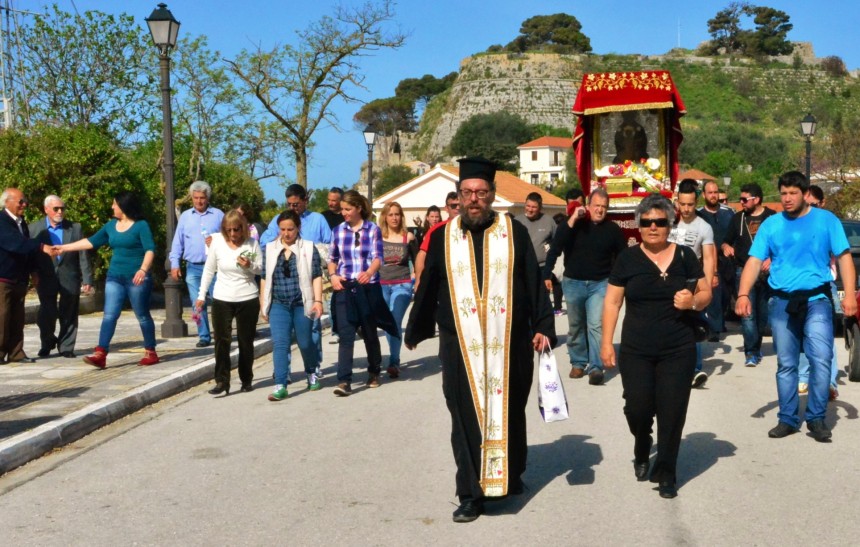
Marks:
<point>25,447</point>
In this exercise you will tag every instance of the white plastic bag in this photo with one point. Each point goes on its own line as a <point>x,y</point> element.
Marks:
<point>551,399</point>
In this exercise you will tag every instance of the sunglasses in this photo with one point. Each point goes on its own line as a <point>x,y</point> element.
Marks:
<point>744,200</point>
<point>724,201</point>
<point>453,206</point>
<point>658,222</point>
<point>287,270</point>
<point>357,239</point>
<point>816,205</point>
<point>58,209</point>
<point>23,202</point>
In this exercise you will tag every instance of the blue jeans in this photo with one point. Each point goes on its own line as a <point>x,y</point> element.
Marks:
<point>754,324</point>
<point>803,370</point>
<point>193,274</point>
<point>584,316</point>
<point>117,287</point>
<point>397,296</point>
<point>814,333</point>
<point>282,320</point>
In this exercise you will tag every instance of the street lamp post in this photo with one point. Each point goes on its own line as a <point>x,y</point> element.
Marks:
<point>807,128</point>
<point>164,29</point>
<point>370,141</point>
<point>727,181</point>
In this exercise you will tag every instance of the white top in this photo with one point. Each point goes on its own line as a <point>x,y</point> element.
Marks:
<point>694,235</point>
<point>235,284</point>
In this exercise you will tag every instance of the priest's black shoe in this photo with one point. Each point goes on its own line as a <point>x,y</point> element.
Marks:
<point>68,354</point>
<point>641,471</point>
<point>44,352</point>
<point>667,489</point>
<point>468,511</point>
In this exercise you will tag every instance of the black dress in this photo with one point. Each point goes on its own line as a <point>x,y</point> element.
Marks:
<point>658,353</point>
<point>531,313</point>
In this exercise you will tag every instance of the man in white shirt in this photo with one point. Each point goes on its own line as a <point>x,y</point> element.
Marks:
<point>692,231</point>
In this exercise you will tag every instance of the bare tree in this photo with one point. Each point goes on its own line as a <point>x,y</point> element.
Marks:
<point>297,85</point>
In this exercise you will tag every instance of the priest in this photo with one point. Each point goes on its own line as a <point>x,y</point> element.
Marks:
<point>482,285</point>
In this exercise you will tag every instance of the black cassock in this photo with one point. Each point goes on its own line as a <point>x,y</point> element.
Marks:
<point>532,313</point>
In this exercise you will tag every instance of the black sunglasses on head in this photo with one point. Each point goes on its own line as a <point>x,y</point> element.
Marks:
<point>658,222</point>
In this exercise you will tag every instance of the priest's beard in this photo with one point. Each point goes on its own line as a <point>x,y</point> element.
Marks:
<point>481,221</point>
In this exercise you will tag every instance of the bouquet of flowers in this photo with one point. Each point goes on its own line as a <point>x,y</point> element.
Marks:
<point>646,173</point>
<point>248,255</point>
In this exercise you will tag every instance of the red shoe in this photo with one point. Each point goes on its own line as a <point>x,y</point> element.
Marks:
<point>98,359</point>
<point>149,358</point>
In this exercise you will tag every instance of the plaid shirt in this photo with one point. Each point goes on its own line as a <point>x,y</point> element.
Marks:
<point>352,254</point>
<point>286,290</point>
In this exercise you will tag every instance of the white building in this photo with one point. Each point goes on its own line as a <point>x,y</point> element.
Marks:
<point>416,195</point>
<point>542,160</point>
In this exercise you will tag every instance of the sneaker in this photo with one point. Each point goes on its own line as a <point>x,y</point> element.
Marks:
<point>700,378</point>
<point>314,382</point>
<point>751,361</point>
<point>595,377</point>
<point>819,431</point>
<point>319,372</point>
<point>802,387</point>
<point>372,381</point>
<point>834,393</point>
<point>781,430</point>
<point>344,389</point>
<point>559,312</point>
<point>149,358</point>
<point>279,393</point>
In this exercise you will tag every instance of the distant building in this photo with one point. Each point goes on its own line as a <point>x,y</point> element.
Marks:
<point>542,160</point>
<point>416,195</point>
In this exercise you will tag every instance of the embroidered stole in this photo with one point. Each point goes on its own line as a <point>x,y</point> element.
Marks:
<point>483,323</point>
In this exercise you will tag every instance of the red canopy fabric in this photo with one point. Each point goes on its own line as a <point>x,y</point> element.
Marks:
<point>618,91</point>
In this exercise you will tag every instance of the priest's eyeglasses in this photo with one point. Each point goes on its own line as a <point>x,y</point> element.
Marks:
<point>480,194</point>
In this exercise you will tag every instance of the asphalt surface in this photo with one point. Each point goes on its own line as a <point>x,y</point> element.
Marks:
<point>376,468</point>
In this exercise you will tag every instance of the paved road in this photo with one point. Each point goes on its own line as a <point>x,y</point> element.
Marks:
<point>376,469</point>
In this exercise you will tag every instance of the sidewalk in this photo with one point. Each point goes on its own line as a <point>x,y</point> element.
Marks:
<point>55,401</point>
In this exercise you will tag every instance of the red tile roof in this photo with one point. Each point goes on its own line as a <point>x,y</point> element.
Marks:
<point>548,142</point>
<point>514,189</point>
<point>695,174</point>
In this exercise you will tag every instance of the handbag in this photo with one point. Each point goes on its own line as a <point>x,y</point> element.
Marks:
<point>696,320</point>
<point>551,399</point>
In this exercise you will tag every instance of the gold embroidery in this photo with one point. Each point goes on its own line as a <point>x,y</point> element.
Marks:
<point>615,81</point>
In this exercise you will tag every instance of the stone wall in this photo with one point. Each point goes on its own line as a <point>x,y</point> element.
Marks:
<point>539,87</point>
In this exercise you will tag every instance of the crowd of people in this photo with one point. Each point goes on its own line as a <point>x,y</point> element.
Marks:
<point>474,278</point>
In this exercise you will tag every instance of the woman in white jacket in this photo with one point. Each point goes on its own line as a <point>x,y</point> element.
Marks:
<point>290,299</point>
<point>235,257</point>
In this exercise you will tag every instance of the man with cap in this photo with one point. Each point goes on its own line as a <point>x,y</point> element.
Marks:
<point>481,282</point>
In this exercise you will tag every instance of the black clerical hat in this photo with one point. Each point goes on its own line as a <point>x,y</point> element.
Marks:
<point>477,167</point>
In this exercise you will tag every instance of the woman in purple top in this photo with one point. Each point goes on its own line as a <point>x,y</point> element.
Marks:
<point>399,248</point>
<point>354,261</point>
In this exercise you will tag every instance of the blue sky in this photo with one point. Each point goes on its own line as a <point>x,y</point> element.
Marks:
<point>443,32</point>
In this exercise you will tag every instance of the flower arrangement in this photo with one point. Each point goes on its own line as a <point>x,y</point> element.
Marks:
<point>248,255</point>
<point>646,173</point>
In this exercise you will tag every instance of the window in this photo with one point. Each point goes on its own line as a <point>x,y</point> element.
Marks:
<point>555,158</point>
<point>535,179</point>
<point>534,155</point>
<point>553,177</point>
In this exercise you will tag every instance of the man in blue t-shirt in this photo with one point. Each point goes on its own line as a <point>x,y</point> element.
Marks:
<point>799,243</point>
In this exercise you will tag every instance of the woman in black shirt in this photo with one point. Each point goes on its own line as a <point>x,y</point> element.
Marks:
<point>658,350</point>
